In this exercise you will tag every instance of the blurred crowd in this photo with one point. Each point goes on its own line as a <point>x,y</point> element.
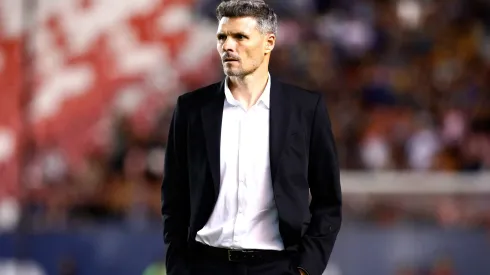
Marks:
<point>407,84</point>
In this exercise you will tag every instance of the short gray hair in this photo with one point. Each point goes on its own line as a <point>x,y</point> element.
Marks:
<point>258,9</point>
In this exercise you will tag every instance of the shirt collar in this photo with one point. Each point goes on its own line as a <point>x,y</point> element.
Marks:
<point>264,98</point>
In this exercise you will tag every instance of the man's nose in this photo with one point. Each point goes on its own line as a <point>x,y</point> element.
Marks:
<point>229,45</point>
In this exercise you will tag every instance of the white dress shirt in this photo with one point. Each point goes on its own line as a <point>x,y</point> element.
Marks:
<point>245,214</point>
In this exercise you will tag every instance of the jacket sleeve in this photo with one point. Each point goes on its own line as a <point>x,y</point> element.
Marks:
<point>326,198</point>
<point>175,195</point>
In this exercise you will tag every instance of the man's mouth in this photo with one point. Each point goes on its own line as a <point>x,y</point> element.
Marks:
<point>230,59</point>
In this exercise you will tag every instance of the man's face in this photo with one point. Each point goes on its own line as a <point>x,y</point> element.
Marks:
<point>242,47</point>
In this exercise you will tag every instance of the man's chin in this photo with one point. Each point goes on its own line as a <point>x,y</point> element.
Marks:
<point>233,73</point>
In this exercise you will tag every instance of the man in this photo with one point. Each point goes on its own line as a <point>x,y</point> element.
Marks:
<point>242,156</point>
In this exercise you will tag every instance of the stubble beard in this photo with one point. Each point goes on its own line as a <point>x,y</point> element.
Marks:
<point>238,72</point>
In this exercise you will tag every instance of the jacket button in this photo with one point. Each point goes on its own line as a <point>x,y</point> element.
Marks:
<point>330,228</point>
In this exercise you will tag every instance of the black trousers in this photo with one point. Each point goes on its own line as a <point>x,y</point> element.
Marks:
<point>203,263</point>
<point>277,267</point>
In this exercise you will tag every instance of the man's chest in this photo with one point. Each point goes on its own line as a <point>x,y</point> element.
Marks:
<point>244,157</point>
<point>245,136</point>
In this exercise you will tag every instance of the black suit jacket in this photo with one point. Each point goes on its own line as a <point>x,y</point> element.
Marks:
<point>302,159</point>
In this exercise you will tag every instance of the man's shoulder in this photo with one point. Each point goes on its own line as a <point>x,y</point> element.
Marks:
<point>200,95</point>
<point>300,94</point>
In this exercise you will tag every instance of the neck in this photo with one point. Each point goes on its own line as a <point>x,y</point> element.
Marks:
<point>248,89</point>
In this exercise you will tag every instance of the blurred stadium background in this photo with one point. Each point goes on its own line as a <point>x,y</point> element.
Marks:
<point>87,88</point>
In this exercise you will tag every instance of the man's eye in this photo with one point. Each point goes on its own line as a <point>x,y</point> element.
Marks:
<point>240,37</point>
<point>221,37</point>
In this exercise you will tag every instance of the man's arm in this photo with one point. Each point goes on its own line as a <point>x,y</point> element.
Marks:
<point>175,195</point>
<point>326,202</point>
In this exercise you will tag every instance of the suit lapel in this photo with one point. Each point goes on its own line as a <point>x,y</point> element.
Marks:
<point>212,114</point>
<point>280,112</point>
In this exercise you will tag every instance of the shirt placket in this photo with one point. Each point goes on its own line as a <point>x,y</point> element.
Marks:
<point>243,162</point>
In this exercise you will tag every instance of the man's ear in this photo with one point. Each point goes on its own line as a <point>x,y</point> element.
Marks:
<point>270,42</point>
